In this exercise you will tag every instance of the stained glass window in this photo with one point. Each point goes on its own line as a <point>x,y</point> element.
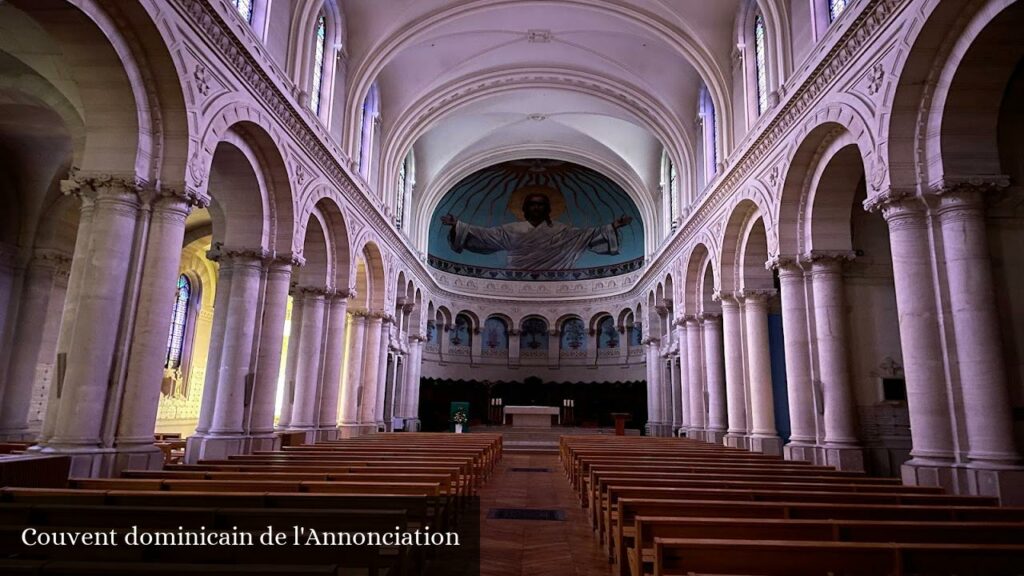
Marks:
<point>179,318</point>
<point>318,64</point>
<point>244,8</point>
<point>835,8</point>
<point>710,134</point>
<point>760,64</point>
<point>400,192</point>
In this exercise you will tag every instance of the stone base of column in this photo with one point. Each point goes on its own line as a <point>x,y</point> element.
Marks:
<point>695,433</point>
<point>1005,484</point>
<point>413,425</point>
<point>308,434</point>
<point>326,434</point>
<point>768,445</point>
<point>18,435</point>
<point>734,440</point>
<point>658,429</point>
<point>916,473</point>
<point>349,430</point>
<point>845,458</point>
<point>714,436</point>
<point>86,462</point>
<point>799,451</point>
<point>267,441</point>
<point>138,457</point>
<point>202,447</point>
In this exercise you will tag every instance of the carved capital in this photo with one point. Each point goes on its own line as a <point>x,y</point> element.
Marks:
<point>407,308</point>
<point>832,260</point>
<point>782,264</point>
<point>413,338</point>
<point>756,296</point>
<point>650,341</point>
<point>726,298</point>
<point>710,318</point>
<point>359,313</point>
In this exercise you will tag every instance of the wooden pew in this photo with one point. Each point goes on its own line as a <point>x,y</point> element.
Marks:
<point>640,552</point>
<point>801,558</point>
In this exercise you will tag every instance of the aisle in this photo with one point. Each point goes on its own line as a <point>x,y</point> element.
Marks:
<point>535,547</point>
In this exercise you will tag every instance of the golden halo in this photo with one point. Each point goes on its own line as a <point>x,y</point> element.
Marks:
<point>555,198</point>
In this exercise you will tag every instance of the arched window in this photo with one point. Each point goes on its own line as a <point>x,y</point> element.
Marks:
<point>370,111</point>
<point>760,64</point>
<point>179,320</point>
<point>495,334</point>
<point>244,8</point>
<point>320,39</point>
<point>835,8</point>
<point>462,333</point>
<point>574,335</point>
<point>406,177</point>
<point>708,134</point>
<point>670,188</point>
<point>607,335</point>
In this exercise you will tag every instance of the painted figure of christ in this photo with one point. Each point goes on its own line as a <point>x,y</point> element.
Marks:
<point>536,243</point>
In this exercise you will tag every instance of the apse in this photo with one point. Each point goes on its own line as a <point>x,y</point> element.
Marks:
<point>587,225</point>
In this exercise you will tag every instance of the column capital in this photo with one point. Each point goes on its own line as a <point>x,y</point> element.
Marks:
<point>407,308</point>
<point>414,338</point>
<point>710,318</point>
<point>285,259</point>
<point>650,341</point>
<point>91,183</point>
<point>691,319</point>
<point>755,296</point>
<point>514,332</point>
<point>825,260</point>
<point>359,313</point>
<point>307,291</point>
<point>726,298</point>
<point>960,196</point>
<point>49,258</point>
<point>784,264</point>
<point>218,253</point>
<point>165,197</point>
<point>896,204</point>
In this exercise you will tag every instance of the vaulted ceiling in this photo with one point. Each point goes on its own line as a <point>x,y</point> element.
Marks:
<point>604,83</point>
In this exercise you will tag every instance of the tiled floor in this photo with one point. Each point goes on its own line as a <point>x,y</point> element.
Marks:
<point>536,547</point>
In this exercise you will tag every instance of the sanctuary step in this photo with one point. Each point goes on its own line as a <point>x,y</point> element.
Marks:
<point>541,440</point>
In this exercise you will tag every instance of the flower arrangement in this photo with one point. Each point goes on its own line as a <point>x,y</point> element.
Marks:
<point>460,417</point>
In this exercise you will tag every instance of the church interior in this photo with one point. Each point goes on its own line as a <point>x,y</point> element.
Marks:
<point>608,287</point>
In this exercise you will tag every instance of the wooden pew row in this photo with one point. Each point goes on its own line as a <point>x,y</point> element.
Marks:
<point>598,496</point>
<point>466,464</point>
<point>801,558</point>
<point>481,468</point>
<point>610,517</point>
<point>779,513</point>
<point>465,484</point>
<point>648,528</point>
<point>490,446</point>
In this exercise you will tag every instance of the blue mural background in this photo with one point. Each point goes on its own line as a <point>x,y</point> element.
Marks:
<point>590,199</point>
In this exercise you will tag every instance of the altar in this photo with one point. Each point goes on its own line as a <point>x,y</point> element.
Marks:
<point>530,416</point>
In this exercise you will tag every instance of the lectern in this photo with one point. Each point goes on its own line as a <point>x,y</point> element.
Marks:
<point>620,422</point>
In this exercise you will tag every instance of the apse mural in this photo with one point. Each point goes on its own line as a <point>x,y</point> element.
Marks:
<point>534,336</point>
<point>607,335</point>
<point>574,335</point>
<point>536,220</point>
<point>495,335</point>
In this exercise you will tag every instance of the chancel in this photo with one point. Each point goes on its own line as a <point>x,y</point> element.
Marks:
<point>733,284</point>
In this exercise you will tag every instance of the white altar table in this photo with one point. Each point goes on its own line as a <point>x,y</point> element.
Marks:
<point>531,416</point>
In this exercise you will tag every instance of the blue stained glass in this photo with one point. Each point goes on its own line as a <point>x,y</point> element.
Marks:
<point>318,63</point>
<point>835,8</point>
<point>179,318</point>
<point>400,193</point>
<point>760,64</point>
<point>244,8</point>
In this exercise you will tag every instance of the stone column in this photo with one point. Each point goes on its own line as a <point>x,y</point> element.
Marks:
<point>16,392</point>
<point>335,344</point>
<point>684,377</point>
<point>655,418</point>
<point>137,418</point>
<point>930,423</point>
<point>76,281</point>
<point>371,368</point>
<point>412,383</point>
<point>798,361</point>
<point>387,326</point>
<point>9,270</point>
<point>763,436</point>
<point>555,348</point>
<point>221,302</point>
<point>715,376</point>
<point>842,448</point>
<point>268,360</point>
<point>236,361</point>
<point>672,383</point>
<point>352,389</point>
<point>732,343</point>
<point>90,357</point>
<point>979,351</point>
<point>307,362</point>
<point>695,378</point>
<point>284,420</point>
<point>677,384</point>
<point>513,346</point>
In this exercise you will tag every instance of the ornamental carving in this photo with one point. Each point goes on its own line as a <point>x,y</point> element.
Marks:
<point>875,78</point>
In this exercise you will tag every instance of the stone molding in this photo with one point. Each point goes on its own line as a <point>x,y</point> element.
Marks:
<point>756,295</point>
